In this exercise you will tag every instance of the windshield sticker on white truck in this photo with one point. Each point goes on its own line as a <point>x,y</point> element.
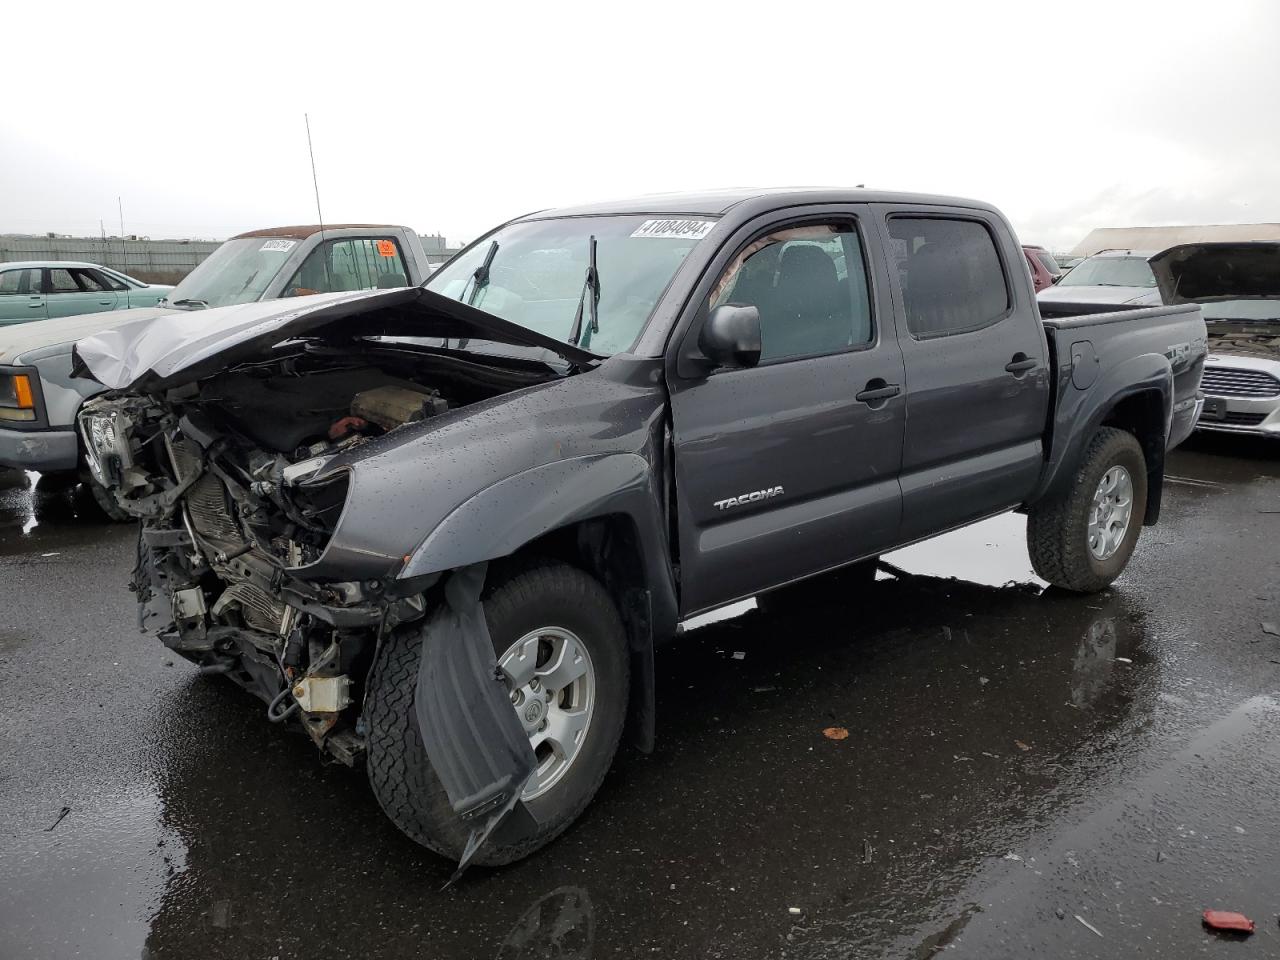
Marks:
<point>675,229</point>
<point>279,246</point>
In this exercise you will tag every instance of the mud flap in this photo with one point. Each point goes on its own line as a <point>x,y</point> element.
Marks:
<point>474,740</point>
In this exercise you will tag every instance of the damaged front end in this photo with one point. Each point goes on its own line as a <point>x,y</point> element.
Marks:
<point>233,512</point>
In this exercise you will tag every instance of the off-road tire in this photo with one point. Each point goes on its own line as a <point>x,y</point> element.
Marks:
<point>1058,526</point>
<point>400,772</point>
<point>826,588</point>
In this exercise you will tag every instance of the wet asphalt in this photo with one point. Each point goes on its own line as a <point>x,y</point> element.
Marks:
<point>1026,773</point>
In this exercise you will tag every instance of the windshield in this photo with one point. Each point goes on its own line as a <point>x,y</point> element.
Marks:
<point>537,274</point>
<point>237,272</point>
<point>1241,310</point>
<point>1110,272</point>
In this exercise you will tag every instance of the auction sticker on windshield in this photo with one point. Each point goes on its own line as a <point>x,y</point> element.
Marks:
<point>675,229</point>
<point>279,246</point>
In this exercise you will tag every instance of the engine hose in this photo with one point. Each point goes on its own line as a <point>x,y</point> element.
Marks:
<point>281,716</point>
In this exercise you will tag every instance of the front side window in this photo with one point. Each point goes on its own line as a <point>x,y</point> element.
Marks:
<point>1110,272</point>
<point>809,284</point>
<point>951,276</point>
<point>358,263</point>
<point>20,282</point>
<point>537,274</point>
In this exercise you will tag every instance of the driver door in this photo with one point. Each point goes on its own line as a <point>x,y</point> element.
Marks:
<point>790,467</point>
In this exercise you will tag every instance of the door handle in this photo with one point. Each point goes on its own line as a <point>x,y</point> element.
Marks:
<point>1021,363</point>
<point>875,394</point>
<point>106,303</point>
<point>36,306</point>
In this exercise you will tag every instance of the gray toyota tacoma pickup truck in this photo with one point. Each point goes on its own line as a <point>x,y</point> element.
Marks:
<point>442,529</point>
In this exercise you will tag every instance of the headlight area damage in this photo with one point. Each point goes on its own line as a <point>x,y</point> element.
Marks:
<point>240,477</point>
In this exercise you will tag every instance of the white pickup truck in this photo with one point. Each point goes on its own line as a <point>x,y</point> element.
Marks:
<point>39,399</point>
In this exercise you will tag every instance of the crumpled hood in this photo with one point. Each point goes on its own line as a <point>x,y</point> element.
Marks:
<point>22,338</point>
<point>150,355</point>
<point>1205,272</point>
<point>1087,294</point>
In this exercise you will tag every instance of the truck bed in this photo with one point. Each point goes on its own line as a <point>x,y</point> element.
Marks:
<point>1111,357</point>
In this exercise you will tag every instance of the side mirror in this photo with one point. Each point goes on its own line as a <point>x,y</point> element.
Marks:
<point>730,336</point>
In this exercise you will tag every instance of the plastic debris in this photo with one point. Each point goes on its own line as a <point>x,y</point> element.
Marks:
<point>1123,660</point>
<point>867,850</point>
<point>739,654</point>
<point>1088,924</point>
<point>1271,628</point>
<point>1226,920</point>
<point>794,911</point>
<point>836,733</point>
<point>1024,747</point>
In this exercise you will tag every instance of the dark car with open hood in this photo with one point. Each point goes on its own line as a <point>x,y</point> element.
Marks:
<point>443,528</point>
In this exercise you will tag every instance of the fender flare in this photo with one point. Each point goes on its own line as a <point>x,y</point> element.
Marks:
<point>509,514</point>
<point>1078,421</point>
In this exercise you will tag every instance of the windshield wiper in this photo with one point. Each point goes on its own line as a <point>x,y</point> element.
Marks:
<point>481,275</point>
<point>592,283</point>
<point>188,302</point>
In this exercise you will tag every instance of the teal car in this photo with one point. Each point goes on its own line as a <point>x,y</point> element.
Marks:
<point>40,290</point>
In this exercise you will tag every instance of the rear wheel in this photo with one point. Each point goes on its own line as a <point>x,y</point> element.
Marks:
<point>561,648</point>
<point>1082,538</point>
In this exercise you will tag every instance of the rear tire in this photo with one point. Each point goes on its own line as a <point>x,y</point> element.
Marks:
<point>1063,550</point>
<point>530,599</point>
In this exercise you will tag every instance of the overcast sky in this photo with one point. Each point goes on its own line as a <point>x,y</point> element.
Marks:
<point>452,117</point>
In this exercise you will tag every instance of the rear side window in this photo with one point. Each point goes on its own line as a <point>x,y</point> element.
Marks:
<point>951,276</point>
<point>20,282</point>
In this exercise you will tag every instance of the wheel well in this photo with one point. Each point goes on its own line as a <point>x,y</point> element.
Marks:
<point>609,549</point>
<point>1143,415</point>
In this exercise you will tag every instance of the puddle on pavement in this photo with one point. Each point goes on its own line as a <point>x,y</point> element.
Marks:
<point>31,516</point>
<point>993,552</point>
<point>88,887</point>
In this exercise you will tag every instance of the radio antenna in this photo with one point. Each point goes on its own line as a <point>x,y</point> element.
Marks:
<point>315,182</point>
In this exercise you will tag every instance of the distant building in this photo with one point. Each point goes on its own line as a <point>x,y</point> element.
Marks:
<point>436,247</point>
<point>1160,238</point>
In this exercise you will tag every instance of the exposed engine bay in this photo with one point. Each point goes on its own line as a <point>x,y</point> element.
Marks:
<point>1245,338</point>
<point>227,477</point>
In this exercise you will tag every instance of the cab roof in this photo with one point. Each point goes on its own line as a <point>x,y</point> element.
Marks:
<point>720,202</point>
<point>303,230</point>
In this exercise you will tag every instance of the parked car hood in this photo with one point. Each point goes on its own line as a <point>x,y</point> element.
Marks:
<point>1090,294</point>
<point>1205,272</point>
<point>23,338</point>
<point>151,355</point>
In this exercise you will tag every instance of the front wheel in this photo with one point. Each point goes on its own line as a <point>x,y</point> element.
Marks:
<point>562,650</point>
<point>1082,538</point>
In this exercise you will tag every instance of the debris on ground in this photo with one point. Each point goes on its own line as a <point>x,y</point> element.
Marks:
<point>794,911</point>
<point>62,815</point>
<point>1271,628</point>
<point>1123,660</point>
<point>1060,913</point>
<point>867,850</point>
<point>1227,921</point>
<point>739,654</point>
<point>1088,924</point>
<point>836,733</point>
<point>1024,747</point>
<point>1161,856</point>
<point>1013,856</point>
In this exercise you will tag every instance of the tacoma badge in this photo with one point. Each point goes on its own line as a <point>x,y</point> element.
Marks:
<point>751,497</point>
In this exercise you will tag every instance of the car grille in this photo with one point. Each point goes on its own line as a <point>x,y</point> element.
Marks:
<point>1233,382</point>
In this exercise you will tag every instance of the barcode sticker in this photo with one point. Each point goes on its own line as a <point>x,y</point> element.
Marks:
<point>674,229</point>
<point>279,246</point>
